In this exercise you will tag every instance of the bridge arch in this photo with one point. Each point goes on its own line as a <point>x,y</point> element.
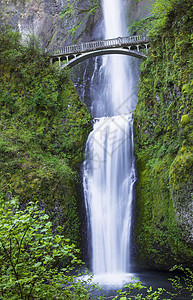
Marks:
<point>81,57</point>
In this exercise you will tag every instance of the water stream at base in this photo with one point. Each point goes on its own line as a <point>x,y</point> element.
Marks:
<point>109,168</point>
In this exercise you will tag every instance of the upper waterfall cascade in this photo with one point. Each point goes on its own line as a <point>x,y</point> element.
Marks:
<point>109,166</point>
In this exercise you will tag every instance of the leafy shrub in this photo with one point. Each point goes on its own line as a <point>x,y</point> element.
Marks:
<point>30,255</point>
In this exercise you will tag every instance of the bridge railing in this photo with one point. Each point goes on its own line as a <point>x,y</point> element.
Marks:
<point>97,45</point>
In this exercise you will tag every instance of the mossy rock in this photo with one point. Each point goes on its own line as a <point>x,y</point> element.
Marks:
<point>185,120</point>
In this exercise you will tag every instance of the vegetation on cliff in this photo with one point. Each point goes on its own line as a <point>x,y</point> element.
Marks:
<point>163,139</point>
<point>43,129</point>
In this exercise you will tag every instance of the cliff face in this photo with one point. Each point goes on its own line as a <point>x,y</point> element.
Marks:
<point>62,22</point>
<point>163,144</point>
<point>55,22</point>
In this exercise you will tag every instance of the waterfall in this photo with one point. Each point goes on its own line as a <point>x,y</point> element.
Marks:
<point>109,169</point>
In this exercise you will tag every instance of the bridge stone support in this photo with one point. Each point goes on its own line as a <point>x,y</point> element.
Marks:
<point>146,47</point>
<point>59,60</point>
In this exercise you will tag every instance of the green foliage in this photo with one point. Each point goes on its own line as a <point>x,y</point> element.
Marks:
<point>145,293</point>
<point>43,129</point>
<point>143,26</point>
<point>162,8</point>
<point>181,284</point>
<point>163,139</point>
<point>30,255</point>
<point>68,11</point>
<point>184,282</point>
<point>161,12</point>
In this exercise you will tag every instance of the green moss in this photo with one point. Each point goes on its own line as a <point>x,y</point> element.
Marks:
<point>43,130</point>
<point>163,143</point>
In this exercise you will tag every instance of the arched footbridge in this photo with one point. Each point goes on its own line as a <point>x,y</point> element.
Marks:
<point>70,56</point>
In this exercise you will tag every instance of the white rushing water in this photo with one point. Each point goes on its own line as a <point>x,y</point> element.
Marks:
<point>109,169</point>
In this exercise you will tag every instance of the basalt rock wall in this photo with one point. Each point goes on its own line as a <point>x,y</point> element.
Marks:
<point>55,22</point>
